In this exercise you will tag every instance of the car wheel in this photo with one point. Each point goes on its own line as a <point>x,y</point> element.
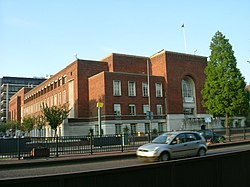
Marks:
<point>164,157</point>
<point>201,152</point>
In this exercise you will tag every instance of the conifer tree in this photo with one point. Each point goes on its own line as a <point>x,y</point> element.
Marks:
<point>224,92</point>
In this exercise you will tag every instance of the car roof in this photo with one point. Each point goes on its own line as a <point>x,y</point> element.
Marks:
<point>180,132</point>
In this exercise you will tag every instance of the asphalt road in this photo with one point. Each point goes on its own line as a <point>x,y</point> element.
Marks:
<point>74,167</point>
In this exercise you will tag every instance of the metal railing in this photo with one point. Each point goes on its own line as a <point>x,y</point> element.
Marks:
<point>91,144</point>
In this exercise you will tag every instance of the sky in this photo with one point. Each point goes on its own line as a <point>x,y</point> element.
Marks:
<point>41,37</point>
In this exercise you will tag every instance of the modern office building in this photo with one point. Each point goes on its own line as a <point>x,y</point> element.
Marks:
<point>10,86</point>
<point>161,92</point>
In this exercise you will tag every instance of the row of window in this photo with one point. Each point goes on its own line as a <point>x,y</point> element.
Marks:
<point>117,88</point>
<point>133,128</point>
<point>132,109</point>
<point>56,99</point>
<point>46,89</point>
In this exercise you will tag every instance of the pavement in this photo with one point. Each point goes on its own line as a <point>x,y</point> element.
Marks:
<point>26,162</point>
<point>67,159</point>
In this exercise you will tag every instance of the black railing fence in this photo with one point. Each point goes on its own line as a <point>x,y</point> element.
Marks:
<point>90,144</point>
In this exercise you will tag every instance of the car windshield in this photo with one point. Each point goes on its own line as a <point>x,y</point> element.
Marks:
<point>164,138</point>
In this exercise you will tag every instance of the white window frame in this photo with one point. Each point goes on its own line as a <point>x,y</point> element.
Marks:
<point>133,128</point>
<point>158,88</point>
<point>117,88</point>
<point>145,89</point>
<point>132,109</point>
<point>117,109</point>
<point>145,109</point>
<point>131,88</point>
<point>118,128</point>
<point>159,110</point>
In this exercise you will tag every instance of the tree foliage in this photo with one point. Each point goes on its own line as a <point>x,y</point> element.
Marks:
<point>28,123</point>
<point>224,92</point>
<point>55,115</point>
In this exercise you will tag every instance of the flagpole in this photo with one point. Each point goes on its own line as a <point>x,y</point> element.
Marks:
<point>184,36</point>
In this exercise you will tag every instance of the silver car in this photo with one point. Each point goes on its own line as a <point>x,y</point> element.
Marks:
<point>173,145</point>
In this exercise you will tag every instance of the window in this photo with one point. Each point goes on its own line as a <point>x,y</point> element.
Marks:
<point>160,127</point>
<point>158,89</point>
<point>159,109</point>
<point>146,127</point>
<point>117,88</point>
<point>145,109</point>
<point>117,109</point>
<point>55,99</point>
<point>131,88</point>
<point>132,109</point>
<point>187,90</point>
<point>188,111</point>
<point>145,89</point>
<point>64,97</point>
<point>118,128</point>
<point>133,128</point>
<point>59,98</point>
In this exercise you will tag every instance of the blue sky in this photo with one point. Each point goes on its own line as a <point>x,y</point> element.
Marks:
<point>41,37</point>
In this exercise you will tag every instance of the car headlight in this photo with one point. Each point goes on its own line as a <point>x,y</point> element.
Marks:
<point>156,150</point>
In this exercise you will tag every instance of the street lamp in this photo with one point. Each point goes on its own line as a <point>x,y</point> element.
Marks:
<point>99,105</point>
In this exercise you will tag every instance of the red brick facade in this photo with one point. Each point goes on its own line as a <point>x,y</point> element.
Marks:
<point>83,83</point>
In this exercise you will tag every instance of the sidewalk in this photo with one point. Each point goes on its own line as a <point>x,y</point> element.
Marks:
<point>67,159</point>
<point>13,163</point>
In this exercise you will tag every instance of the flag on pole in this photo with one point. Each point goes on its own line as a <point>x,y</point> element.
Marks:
<point>182,26</point>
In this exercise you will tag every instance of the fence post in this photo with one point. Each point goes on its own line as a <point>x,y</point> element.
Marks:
<point>57,154</point>
<point>91,144</point>
<point>122,141</point>
<point>244,133</point>
<point>18,148</point>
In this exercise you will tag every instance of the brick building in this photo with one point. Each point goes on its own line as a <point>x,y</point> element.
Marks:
<point>168,84</point>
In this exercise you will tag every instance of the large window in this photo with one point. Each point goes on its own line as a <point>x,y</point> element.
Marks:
<point>131,88</point>
<point>188,90</point>
<point>132,109</point>
<point>145,89</point>
<point>158,89</point>
<point>117,109</point>
<point>117,88</point>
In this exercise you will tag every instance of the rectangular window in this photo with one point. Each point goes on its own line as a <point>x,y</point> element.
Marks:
<point>64,97</point>
<point>145,89</point>
<point>146,128</point>
<point>117,88</point>
<point>158,89</point>
<point>131,88</point>
<point>159,109</point>
<point>117,109</point>
<point>118,128</point>
<point>55,99</point>
<point>188,111</point>
<point>145,109</point>
<point>160,127</point>
<point>133,128</point>
<point>132,109</point>
<point>59,98</point>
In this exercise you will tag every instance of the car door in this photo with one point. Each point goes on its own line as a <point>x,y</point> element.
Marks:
<point>178,146</point>
<point>192,144</point>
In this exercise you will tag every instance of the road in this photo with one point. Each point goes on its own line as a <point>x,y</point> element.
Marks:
<point>44,170</point>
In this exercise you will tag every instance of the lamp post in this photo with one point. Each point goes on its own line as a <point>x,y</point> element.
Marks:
<point>99,105</point>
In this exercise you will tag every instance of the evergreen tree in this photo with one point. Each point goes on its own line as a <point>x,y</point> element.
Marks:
<point>224,92</point>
